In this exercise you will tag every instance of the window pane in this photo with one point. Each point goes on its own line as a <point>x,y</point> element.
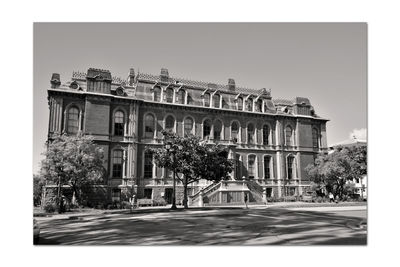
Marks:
<point>149,126</point>
<point>249,104</point>
<point>217,130</point>
<point>216,100</point>
<point>157,94</point>
<point>119,123</point>
<point>206,128</point>
<point>267,162</point>
<point>234,131</point>
<point>290,167</point>
<point>207,100</point>
<point>73,120</point>
<point>315,138</point>
<point>240,103</point>
<point>259,105</point>
<point>265,134</point>
<point>170,95</point>
<point>148,165</point>
<point>251,169</point>
<point>117,163</point>
<point>188,125</point>
<point>181,96</point>
<point>288,132</point>
<point>169,123</point>
<point>250,133</point>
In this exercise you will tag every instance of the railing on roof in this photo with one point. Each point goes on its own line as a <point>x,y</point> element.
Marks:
<point>82,75</point>
<point>201,84</point>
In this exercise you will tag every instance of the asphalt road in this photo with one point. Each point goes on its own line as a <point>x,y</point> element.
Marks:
<point>271,226</point>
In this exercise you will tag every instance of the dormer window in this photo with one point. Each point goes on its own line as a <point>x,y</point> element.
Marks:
<point>157,94</point>
<point>169,95</point>
<point>259,105</point>
<point>249,104</point>
<point>240,103</point>
<point>181,96</point>
<point>206,99</point>
<point>217,100</point>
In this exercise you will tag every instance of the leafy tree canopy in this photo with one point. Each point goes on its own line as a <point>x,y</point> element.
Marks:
<point>74,161</point>
<point>334,170</point>
<point>192,158</point>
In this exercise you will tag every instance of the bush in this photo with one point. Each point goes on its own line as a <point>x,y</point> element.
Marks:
<point>50,207</point>
<point>160,202</point>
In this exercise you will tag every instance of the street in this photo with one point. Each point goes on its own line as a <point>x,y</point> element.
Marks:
<point>234,226</point>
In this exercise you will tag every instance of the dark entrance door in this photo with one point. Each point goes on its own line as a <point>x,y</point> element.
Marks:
<point>168,195</point>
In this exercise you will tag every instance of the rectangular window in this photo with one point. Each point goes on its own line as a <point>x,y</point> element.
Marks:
<point>148,165</point>
<point>267,162</point>
<point>117,164</point>
<point>147,193</point>
<point>252,166</point>
<point>290,167</point>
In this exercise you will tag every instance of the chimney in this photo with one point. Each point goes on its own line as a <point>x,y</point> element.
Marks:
<point>231,85</point>
<point>131,77</point>
<point>55,80</point>
<point>164,76</point>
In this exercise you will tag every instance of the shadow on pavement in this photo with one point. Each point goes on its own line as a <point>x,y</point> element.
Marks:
<point>226,226</point>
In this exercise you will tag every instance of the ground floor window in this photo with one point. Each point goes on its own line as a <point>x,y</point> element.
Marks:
<point>116,194</point>
<point>148,192</point>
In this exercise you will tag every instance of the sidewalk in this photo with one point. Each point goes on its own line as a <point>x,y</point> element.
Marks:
<point>78,214</point>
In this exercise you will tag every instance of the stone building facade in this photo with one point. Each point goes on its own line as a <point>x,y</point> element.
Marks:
<point>270,140</point>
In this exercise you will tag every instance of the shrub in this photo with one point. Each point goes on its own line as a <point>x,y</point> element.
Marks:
<point>50,207</point>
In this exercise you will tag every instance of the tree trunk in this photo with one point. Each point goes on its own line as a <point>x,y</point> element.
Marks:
<point>185,200</point>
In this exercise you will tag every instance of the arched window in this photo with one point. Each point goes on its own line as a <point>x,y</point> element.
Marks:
<point>181,96</point>
<point>149,127</point>
<point>157,94</point>
<point>188,126</point>
<point>290,167</point>
<point>251,166</point>
<point>170,124</point>
<point>267,166</point>
<point>234,131</point>
<point>206,99</point>
<point>288,136</point>
<point>117,164</point>
<point>315,138</point>
<point>265,135</point>
<point>169,95</point>
<point>217,99</point>
<point>259,105</point>
<point>73,120</point>
<point>217,130</point>
<point>250,133</point>
<point>249,104</point>
<point>240,103</point>
<point>148,165</point>
<point>119,123</point>
<point>206,129</point>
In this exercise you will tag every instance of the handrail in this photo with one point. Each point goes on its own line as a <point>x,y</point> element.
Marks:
<point>205,190</point>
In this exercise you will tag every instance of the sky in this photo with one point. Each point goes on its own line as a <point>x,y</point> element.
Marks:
<point>325,62</point>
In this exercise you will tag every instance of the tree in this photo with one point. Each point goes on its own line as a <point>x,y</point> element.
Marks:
<point>335,170</point>
<point>72,160</point>
<point>193,159</point>
<point>38,183</point>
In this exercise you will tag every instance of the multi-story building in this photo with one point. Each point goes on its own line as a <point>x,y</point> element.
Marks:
<point>270,140</point>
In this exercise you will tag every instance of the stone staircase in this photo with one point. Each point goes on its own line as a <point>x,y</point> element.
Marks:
<point>229,192</point>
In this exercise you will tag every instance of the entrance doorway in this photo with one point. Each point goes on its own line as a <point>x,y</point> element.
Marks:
<point>168,195</point>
